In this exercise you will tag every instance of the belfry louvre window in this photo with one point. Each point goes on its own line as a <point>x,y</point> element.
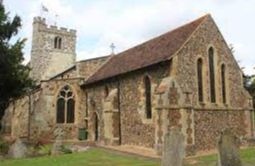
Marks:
<point>57,42</point>
<point>65,106</point>
<point>223,83</point>
<point>200,79</point>
<point>147,86</point>
<point>212,75</point>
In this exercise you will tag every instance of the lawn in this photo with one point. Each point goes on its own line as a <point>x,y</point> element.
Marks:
<point>247,157</point>
<point>99,157</point>
<point>93,157</point>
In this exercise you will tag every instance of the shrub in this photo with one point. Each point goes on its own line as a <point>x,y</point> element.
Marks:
<point>65,150</point>
<point>4,147</point>
<point>45,149</point>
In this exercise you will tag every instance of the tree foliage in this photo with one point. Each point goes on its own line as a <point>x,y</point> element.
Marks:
<point>14,76</point>
<point>249,84</point>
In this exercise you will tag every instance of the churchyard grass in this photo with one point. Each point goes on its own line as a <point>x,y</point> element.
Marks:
<point>247,157</point>
<point>93,157</point>
<point>99,157</point>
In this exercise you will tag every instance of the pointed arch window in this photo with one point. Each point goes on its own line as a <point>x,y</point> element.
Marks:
<point>147,86</point>
<point>57,42</point>
<point>223,83</point>
<point>212,75</point>
<point>200,79</point>
<point>65,105</point>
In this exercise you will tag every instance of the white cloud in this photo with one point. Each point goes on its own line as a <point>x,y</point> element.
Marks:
<point>127,23</point>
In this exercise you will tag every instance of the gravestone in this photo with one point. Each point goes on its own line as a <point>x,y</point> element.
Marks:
<point>18,149</point>
<point>58,144</point>
<point>228,149</point>
<point>173,148</point>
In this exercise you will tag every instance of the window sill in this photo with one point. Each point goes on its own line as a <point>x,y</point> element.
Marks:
<point>214,104</point>
<point>65,124</point>
<point>147,121</point>
<point>225,105</point>
<point>202,104</point>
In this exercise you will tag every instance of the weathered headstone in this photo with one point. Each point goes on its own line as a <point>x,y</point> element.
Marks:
<point>228,149</point>
<point>58,144</point>
<point>57,148</point>
<point>173,148</point>
<point>18,149</point>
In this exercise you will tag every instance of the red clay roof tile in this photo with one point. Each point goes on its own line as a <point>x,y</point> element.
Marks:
<point>151,52</point>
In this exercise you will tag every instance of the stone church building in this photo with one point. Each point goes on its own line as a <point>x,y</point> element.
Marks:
<point>187,77</point>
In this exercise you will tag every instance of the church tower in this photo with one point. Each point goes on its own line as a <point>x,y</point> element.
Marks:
<point>53,49</point>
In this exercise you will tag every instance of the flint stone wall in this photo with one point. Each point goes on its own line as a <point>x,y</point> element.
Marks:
<point>197,47</point>
<point>86,67</point>
<point>209,117</point>
<point>209,124</point>
<point>135,128</point>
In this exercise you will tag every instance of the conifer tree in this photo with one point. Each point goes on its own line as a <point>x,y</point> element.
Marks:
<point>14,75</point>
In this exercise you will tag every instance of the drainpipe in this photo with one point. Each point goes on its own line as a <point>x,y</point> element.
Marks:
<point>29,114</point>
<point>118,93</point>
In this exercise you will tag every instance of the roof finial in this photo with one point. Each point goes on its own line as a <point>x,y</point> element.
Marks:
<point>112,48</point>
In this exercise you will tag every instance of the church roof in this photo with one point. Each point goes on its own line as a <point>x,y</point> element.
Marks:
<point>156,50</point>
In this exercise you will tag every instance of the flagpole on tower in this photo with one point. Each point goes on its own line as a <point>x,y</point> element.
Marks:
<point>43,10</point>
<point>56,19</point>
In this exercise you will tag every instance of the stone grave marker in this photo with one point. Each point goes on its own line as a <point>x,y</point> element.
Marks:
<point>18,149</point>
<point>228,149</point>
<point>173,148</point>
<point>57,146</point>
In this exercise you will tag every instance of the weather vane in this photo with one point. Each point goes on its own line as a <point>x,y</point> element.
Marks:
<point>112,48</point>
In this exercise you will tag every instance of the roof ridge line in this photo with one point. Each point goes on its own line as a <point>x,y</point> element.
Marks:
<point>200,20</point>
<point>178,27</point>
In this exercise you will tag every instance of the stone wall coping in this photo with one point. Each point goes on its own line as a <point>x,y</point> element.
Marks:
<point>64,79</point>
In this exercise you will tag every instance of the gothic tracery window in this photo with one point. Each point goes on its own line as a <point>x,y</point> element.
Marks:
<point>212,75</point>
<point>147,85</point>
<point>65,105</point>
<point>200,79</point>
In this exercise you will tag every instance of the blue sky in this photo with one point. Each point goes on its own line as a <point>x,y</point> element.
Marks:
<point>128,23</point>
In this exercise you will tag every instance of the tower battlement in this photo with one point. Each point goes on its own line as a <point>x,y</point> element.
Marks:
<point>53,49</point>
<point>42,25</point>
<point>40,20</point>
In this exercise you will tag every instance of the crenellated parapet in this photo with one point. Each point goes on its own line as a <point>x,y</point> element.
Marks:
<point>53,49</point>
<point>42,25</point>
